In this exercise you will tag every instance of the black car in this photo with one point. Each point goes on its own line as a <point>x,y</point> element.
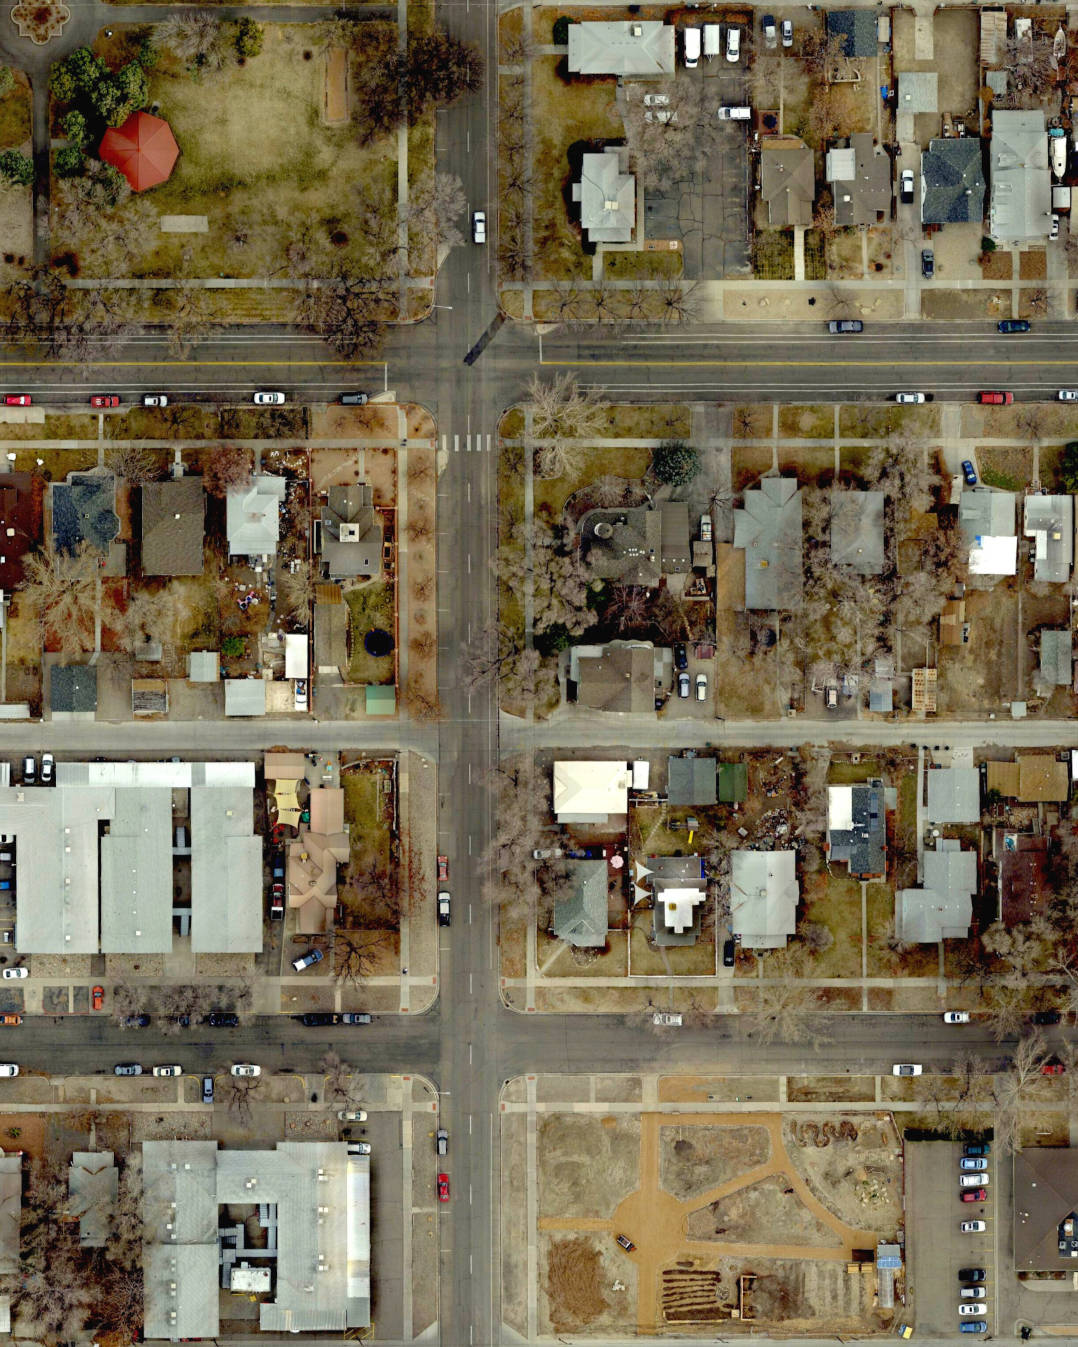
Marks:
<point>972,1274</point>
<point>184,1021</point>
<point>1047,1017</point>
<point>313,1019</point>
<point>729,949</point>
<point>681,655</point>
<point>928,263</point>
<point>222,1019</point>
<point>1009,325</point>
<point>135,1021</point>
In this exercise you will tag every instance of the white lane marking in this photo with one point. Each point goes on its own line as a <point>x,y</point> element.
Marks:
<point>469,1124</point>
<point>469,1054</point>
<point>444,443</point>
<point>468,486</point>
<point>488,442</point>
<point>470,984</point>
<point>456,444</point>
<point>469,914</point>
<point>469,563</point>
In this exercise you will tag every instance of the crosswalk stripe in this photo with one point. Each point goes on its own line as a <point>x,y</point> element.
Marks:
<point>443,444</point>
<point>456,444</point>
<point>488,444</point>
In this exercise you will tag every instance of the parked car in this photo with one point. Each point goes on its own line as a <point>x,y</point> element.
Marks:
<point>1067,395</point>
<point>972,1274</point>
<point>207,1089</point>
<point>690,43</point>
<point>315,1019</point>
<point>928,263</point>
<point>443,907</point>
<point>975,1195</point>
<point>974,1326</point>
<point>625,1242</point>
<point>977,1148</point>
<point>246,1069</point>
<point>11,974</point>
<point>135,1021</point>
<point>48,770</point>
<point>841,326</point>
<point>268,399</point>
<point>353,399</point>
<point>29,770</point>
<point>701,687</point>
<point>10,1019</point>
<point>736,112</point>
<point>1047,1017</point>
<point>351,1115</point>
<point>168,1071</point>
<point>771,34</point>
<point>733,44</point>
<point>479,226</point>
<point>308,960</point>
<point>127,1069</point>
<point>911,398</point>
<point>1011,326</point>
<point>995,398</point>
<point>300,694</point>
<point>976,1164</point>
<point>222,1019</point>
<point>97,998</point>
<point>905,186</point>
<point>969,472</point>
<point>973,1227</point>
<point>787,30</point>
<point>277,901</point>
<point>681,655</point>
<point>956,1017</point>
<point>443,868</point>
<point>355,1017</point>
<point>441,1141</point>
<point>729,953</point>
<point>443,1187</point>
<point>978,1307</point>
<point>104,400</point>
<point>656,100</point>
<point>683,685</point>
<point>970,1292</point>
<point>830,697</point>
<point>17,400</point>
<point>1052,1068</point>
<point>1053,232</point>
<point>974,1180</point>
<point>154,400</point>
<point>906,1069</point>
<point>547,853</point>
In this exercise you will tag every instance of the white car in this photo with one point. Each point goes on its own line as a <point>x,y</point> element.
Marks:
<point>956,1017</point>
<point>1067,395</point>
<point>973,1227</point>
<point>1053,233</point>
<point>246,1069</point>
<point>906,1069</point>
<point>787,29</point>
<point>479,226</point>
<point>268,399</point>
<point>733,44</point>
<point>8,1069</point>
<point>913,398</point>
<point>168,1070</point>
<point>352,1115</point>
<point>663,115</point>
<point>48,770</point>
<point>701,687</point>
<point>977,1307</point>
<point>301,694</point>
<point>656,100</point>
<point>154,400</point>
<point>20,972</point>
<point>973,1180</point>
<point>905,185</point>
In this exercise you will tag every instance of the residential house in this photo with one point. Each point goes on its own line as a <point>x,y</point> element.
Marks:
<point>1020,205</point>
<point>173,526</point>
<point>623,545</point>
<point>679,889</point>
<point>313,859</point>
<point>952,182</point>
<point>857,531</point>
<point>987,518</point>
<point>787,181</point>
<point>860,176</point>
<point>351,533</point>
<point>1057,659</point>
<point>73,691</point>
<point>591,792</point>
<point>857,828</point>
<point>768,529</point>
<point>954,629</point>
<point>606,195</point>
<point>943,907</point>
<point>1045,1204</point>
<point>252,517</point>
<point>1033,778</point>
<point>733,782</point>
<point>20,525</point>
<point>855,29</point>
<point>204,666</point>
<point>954,795</point>
<point>92,1186</point>
<point>763,897</point>
<point>635,48</point>
<point>691,780</point>
<point>1022,867</point>
<point>84,512</point>
<point>620,676</point>
<point>245,696</point>
<point>580,919</point>
<point>1049,521</point>
<point>676,551</point>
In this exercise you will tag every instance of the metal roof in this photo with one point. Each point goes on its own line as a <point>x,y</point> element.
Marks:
<point>634,47</point>
<point>768,528</point>
<point>92,1180</point>
<point>1057,657</point>
<point>691,781</point>
<point>226,872</point>
<point>245,697</point>
<point>252,517</point>
<point>954,795</point>
<point>1049,521</point>
<point>1020,206</point>
<point>763,897</point>
<point>606,194</point>
<point>136,873</point>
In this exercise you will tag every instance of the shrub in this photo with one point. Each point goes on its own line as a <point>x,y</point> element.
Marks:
<point>675,462</point>
<point>560,34</point>
<point>17,168</point>
<point>1068,467</point>
<point>233,646</point>
<point>249,38</point>
<point>75,127</point>
<point>7,80</point>
<point>70,162</point>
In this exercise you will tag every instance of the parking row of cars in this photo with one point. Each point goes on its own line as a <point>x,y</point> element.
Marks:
<point>265,398</point>
<point>973,1183</point>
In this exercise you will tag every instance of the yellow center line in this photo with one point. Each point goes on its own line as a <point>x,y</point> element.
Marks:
<point>185,364</point>
<point>959,358</point>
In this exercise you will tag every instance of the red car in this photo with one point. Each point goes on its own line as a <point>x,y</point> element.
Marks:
<point>975,1195</point>
<point>97,997</point>
<point>1053,1069</point>
<point>104,400</point>
<point>17,399</point>
<point>995,399</point>
<point>443,1187</point>
<point>443,867</point>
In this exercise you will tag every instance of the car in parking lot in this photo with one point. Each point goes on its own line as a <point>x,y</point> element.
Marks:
<point>971,1292</point>
<point>973,1326</point>
<point>479,226</point>
<point>969,472</point>
<point>972,1274</point>
<point>1053,232</point>
<point>207,1089</point>
<point>277,900</point>
<point>977,1148</point>
<point>973,1227</point>
<point>246,1069</point>
<point>683,685</point>
<point>355,1017</point>
<point>906,1069</point>
<point>135,1021</point>
<point>701,687</point>
<point>97,998</point>
<point>443,907</point>
<point>441,1141</point>
<point>1010,326</point>
<point>973,1180</point>
<point>656,100</point>
<point>975,1195</point>
<point>977,1307</point>
<point>733,43</point>
<point>976,1165</point>
<point>300,696</point>
<point>127,1069</point>
<point>928,263</point>
<point>48,770</point>
<point>995,398</point>
<point>771,33</point>
<point>681,655</point>
<point>729,953</point>
<point>268,399</point>
<point>911,398</point>
<point>302,961</point>
<point>222,1019</point>
<point>104,400</point>
<point>16,973</point>
<point>352,1115</point>
<point>840,326</point>
<point>956,1017</point>
<point>443,1187</point>
<point>29,770</point>
<point>787,29</point>
<point>905,186</point>
<point>168,1071</point>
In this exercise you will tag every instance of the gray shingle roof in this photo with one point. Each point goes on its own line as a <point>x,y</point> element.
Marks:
<point>768,528</point>
<point>73,687</point>
<point>943,908</point>
<point>632,47</point>
<point>860,177</point>
<point>92,1180</point>
<point>1056,658</point>
<point>623,545</point>
<point>580,918</point>
<point>952,181</point>
<point>858,827</point>
<point>1020,206</point>
<point>691,781</point>
<point>857,530</point>
<point>606,194</point>
<point>856,27</point>
<point>352,533</point>
<point>83,510</point>
<point>954,795</point>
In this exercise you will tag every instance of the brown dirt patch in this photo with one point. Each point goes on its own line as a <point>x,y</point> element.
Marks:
<point>853,1173</point>
<point>586,1163</point>
<point>573,1284</point>
<point>29,1129</point>
<point>1033,266</point>
<point>696,1159</point>
<point>996,266</point>
<point>750,1214</point>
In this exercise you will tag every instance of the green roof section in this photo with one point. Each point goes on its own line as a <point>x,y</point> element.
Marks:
<point>733,782</point>
<point>381,700</point>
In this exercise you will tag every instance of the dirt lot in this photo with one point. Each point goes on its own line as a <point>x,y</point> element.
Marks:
<point>698,1158</point>
<point>850,1166</point>
<point>769,1204</point>
<point>586,1163</point>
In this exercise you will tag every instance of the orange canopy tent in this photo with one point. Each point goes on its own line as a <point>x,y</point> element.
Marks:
<point>143,149</point>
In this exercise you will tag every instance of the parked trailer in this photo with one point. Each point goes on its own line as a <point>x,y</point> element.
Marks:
<point>712,40</point>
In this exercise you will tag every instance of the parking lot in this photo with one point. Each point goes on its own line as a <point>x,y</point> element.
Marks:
<point>936,1248</point>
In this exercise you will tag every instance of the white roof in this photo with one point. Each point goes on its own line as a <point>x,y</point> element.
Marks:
<point>993,556</point>
<point>226,872</point>
<point>763,897</point>
<point>954,795</point>
<point>839,808</point>
<point>136,874</point>
<point>295,656</point>
<point>589,792</point>
<point>252,517</point>
<point>679,906</point>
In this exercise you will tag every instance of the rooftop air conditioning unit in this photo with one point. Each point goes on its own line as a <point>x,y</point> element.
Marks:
<point>637,30</point>
<point>349,533</point>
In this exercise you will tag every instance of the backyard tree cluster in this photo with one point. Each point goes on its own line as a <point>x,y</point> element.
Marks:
<point>98,98</point>
<point>395,88</point>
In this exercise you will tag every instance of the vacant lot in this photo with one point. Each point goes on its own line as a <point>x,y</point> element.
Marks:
<point>850,1167</point>
<point>694,1159</point>
<point>586,1164</point>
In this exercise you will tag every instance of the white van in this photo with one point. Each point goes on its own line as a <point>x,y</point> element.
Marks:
<point>692,48</point>
<point>732,114</point>
<point>712,40</point>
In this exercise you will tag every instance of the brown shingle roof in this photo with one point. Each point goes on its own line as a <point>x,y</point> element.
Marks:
<point>173,527</point>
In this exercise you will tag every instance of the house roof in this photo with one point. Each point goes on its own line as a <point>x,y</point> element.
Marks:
<point>20,525</point>
<point>942,909</point>
<point>918,91</point>
<point>313,861</point>
<point>954,795</point>
<point>1020,205</point>
<point>676,546</point>
<point>1049,521</point>
<point>679,889</point>
<point>606,194</point>
<point>173,526</point>
<point>226,869</point>
<point>619,676</point>
<point>92,1182</point>
<point>857,530</point>
<point>985,511</point>
<point>580,918</point>
<point>860,177</point>
<point>245,697</point>
<point>953,622</point>
<point>787,180</point>
<point>768,529</point>
<point>589,792</point>
<point>763,897</point>
<point>1045,1195</point>
<point>1033,778</point>
<point>83,510</point>
<point>1022,860</point>
<point>691,781</point>
<point>952,182</point>
<point>623,545</point>
<point>1057,657</point>
<point>73,688</point>
<point>252,517</point>
<point>633,47</point>
<point>857,827</point>
<point>204,666</point>
<point>136,873</point>
<point>380,700</point>
<point>352,533</point>
<point>856,27</point>
<point>733,782</point>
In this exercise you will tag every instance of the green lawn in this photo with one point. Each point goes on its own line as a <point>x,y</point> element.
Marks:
<point>641,265</point>
<point>369,606</point>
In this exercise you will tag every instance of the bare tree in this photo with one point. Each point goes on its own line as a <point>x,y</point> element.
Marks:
<point>238,1092</point>
<point>355,954</point>
<point>63,591</point>
<point>193,36</point>
<point>561,409</point>
<point>229,469</point>
<point>338,1075</point>
<point>295,590</point>
<point>350,312</point>
<point>555,572</point>
<point>436,205</point>
<point>133,464</point>
<point>190,319</point>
